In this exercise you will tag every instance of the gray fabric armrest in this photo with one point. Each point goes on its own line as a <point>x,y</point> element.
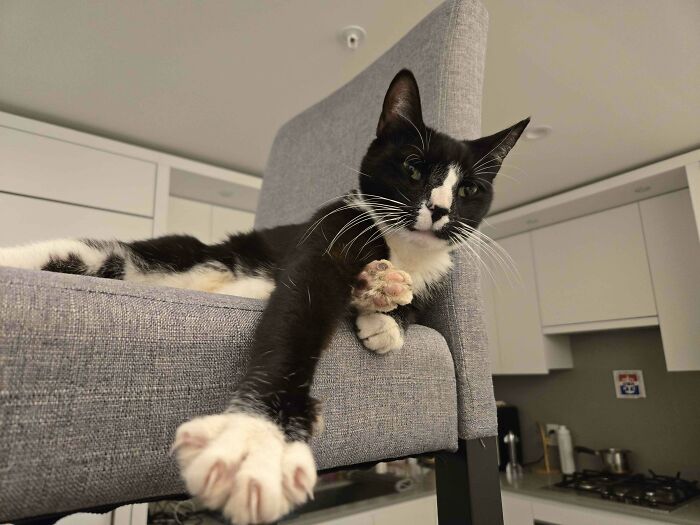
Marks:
<point>96,375</point>
<point>315,154</point>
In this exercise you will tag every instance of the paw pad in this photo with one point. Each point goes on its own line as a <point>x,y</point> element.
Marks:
<point>381,288</point>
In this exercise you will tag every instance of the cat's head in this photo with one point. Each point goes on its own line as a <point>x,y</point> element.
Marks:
<point>423,185</point>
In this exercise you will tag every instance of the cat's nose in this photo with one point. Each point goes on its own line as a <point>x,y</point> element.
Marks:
<point>438,212</point>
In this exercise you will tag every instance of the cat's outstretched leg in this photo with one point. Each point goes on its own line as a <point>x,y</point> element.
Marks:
<point>381,288</point>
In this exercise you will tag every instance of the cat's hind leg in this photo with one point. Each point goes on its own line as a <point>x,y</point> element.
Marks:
<point>75,256</point>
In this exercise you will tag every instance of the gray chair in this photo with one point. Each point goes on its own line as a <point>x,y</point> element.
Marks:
<point>95,375</point>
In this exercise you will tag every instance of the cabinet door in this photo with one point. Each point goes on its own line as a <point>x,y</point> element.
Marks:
<point>54,169</point>
<point>674,258</point>
<point>226,221</point>
<point>520,337</point>
<point>38,220</point>
<point>593,268</point>
<point>491,321</point>
<point>516,510</point>
<point>189,217</point>
<point>420,511</point>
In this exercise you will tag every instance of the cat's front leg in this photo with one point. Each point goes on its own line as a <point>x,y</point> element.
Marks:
<point>381,287</point>
<point>382,333</point>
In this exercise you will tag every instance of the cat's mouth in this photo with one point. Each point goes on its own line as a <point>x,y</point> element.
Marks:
<point>432,239</point>
<point>427,233</point>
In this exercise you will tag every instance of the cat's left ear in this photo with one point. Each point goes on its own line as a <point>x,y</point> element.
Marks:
<point>401,108</point>
<point>489,152</point>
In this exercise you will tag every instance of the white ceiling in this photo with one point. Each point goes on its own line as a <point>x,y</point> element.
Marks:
<point>211,80</point>
<point>618,80</point>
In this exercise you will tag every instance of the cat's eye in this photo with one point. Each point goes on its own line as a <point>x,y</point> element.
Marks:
<point>467,190</point>
<point>412,171</point>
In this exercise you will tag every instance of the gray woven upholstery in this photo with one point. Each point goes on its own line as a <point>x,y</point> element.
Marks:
<point>95,375</point>
<point>313,156</point>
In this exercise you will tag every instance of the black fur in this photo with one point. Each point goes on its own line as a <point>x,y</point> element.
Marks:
<point>315,265</point>
<point>72,263</point>
<point>112,267</point>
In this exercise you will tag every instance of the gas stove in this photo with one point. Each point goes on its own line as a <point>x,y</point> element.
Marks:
<point>665,493</point>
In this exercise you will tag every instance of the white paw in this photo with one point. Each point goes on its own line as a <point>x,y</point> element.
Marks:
<point>241,465</point>
<point>381,288</point>
<point>379,332</point>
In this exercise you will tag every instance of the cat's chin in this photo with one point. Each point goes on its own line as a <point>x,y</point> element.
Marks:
<point>426,240</point>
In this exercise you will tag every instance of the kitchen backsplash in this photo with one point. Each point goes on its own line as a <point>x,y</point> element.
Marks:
<point>662,430</point>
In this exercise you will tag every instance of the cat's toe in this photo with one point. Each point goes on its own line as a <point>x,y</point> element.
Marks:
<point>191,437</point>
<point>381,288</point>
<point>248,471</point>
<point>379,333</point>
<point>298,472</point>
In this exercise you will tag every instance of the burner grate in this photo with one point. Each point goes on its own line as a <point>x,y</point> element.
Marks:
<point>656,491</point>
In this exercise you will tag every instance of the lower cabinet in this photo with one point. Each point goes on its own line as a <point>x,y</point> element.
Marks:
<point>516,342</point>
<point>516,510</point>
<point>526,510</point>
<point>419,511</point>
<point>136,514</point>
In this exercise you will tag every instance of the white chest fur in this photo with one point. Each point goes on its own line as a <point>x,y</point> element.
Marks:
<point>426,265</point>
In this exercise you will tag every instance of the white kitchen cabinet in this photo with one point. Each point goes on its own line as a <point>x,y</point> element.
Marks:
<point>189,217</point>
<point>32,220</point>
<point>208,222</point>
<point>594,269</point>
<point>59,170</point>
<point>418,511</point>
<point>673,249</point>
<point>516,342</point>
<point>491,322</point>
<point>226,221</point>
<point>555,513</point>
<point>520,509</point>
<point>516,510</point>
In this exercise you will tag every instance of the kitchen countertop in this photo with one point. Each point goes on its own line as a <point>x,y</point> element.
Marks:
<point>534,485</point>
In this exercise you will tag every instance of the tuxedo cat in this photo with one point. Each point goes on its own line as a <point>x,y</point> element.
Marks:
<point>376,253</point>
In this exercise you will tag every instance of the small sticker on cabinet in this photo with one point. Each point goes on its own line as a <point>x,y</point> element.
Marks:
<point>629,384</point>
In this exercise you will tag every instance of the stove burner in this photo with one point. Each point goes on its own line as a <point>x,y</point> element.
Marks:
<point>661,492</point>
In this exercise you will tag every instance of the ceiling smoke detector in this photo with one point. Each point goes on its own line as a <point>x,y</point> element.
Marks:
<point>537,132</point>
<point>353,37</point>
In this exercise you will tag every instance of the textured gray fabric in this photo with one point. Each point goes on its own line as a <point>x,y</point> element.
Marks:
<point>95,375</point>
<point>319,149</point>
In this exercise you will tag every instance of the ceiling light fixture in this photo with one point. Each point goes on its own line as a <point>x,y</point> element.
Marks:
<point>353,37</point>
<point>537,132</point>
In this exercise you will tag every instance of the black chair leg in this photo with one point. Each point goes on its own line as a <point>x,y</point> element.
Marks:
<point>468,489</point>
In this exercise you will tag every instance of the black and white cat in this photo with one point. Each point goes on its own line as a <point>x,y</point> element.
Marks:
<point>375,253</point>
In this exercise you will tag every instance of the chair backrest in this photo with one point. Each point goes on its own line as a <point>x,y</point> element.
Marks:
<point>314,154</point>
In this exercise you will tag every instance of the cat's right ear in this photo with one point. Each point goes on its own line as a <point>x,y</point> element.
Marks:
<point>401,105</point>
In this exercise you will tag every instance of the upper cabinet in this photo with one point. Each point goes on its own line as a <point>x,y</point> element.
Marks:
<point>516,342</point>
<point>593,273</point>
<point>673,249</point>
<point>58,170</point>
<point>619,253</point>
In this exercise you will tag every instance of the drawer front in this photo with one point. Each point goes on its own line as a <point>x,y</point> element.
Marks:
<point>29,220</point>
<point>53,169</point>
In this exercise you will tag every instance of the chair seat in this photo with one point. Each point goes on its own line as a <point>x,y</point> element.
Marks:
<point>95,376</point>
